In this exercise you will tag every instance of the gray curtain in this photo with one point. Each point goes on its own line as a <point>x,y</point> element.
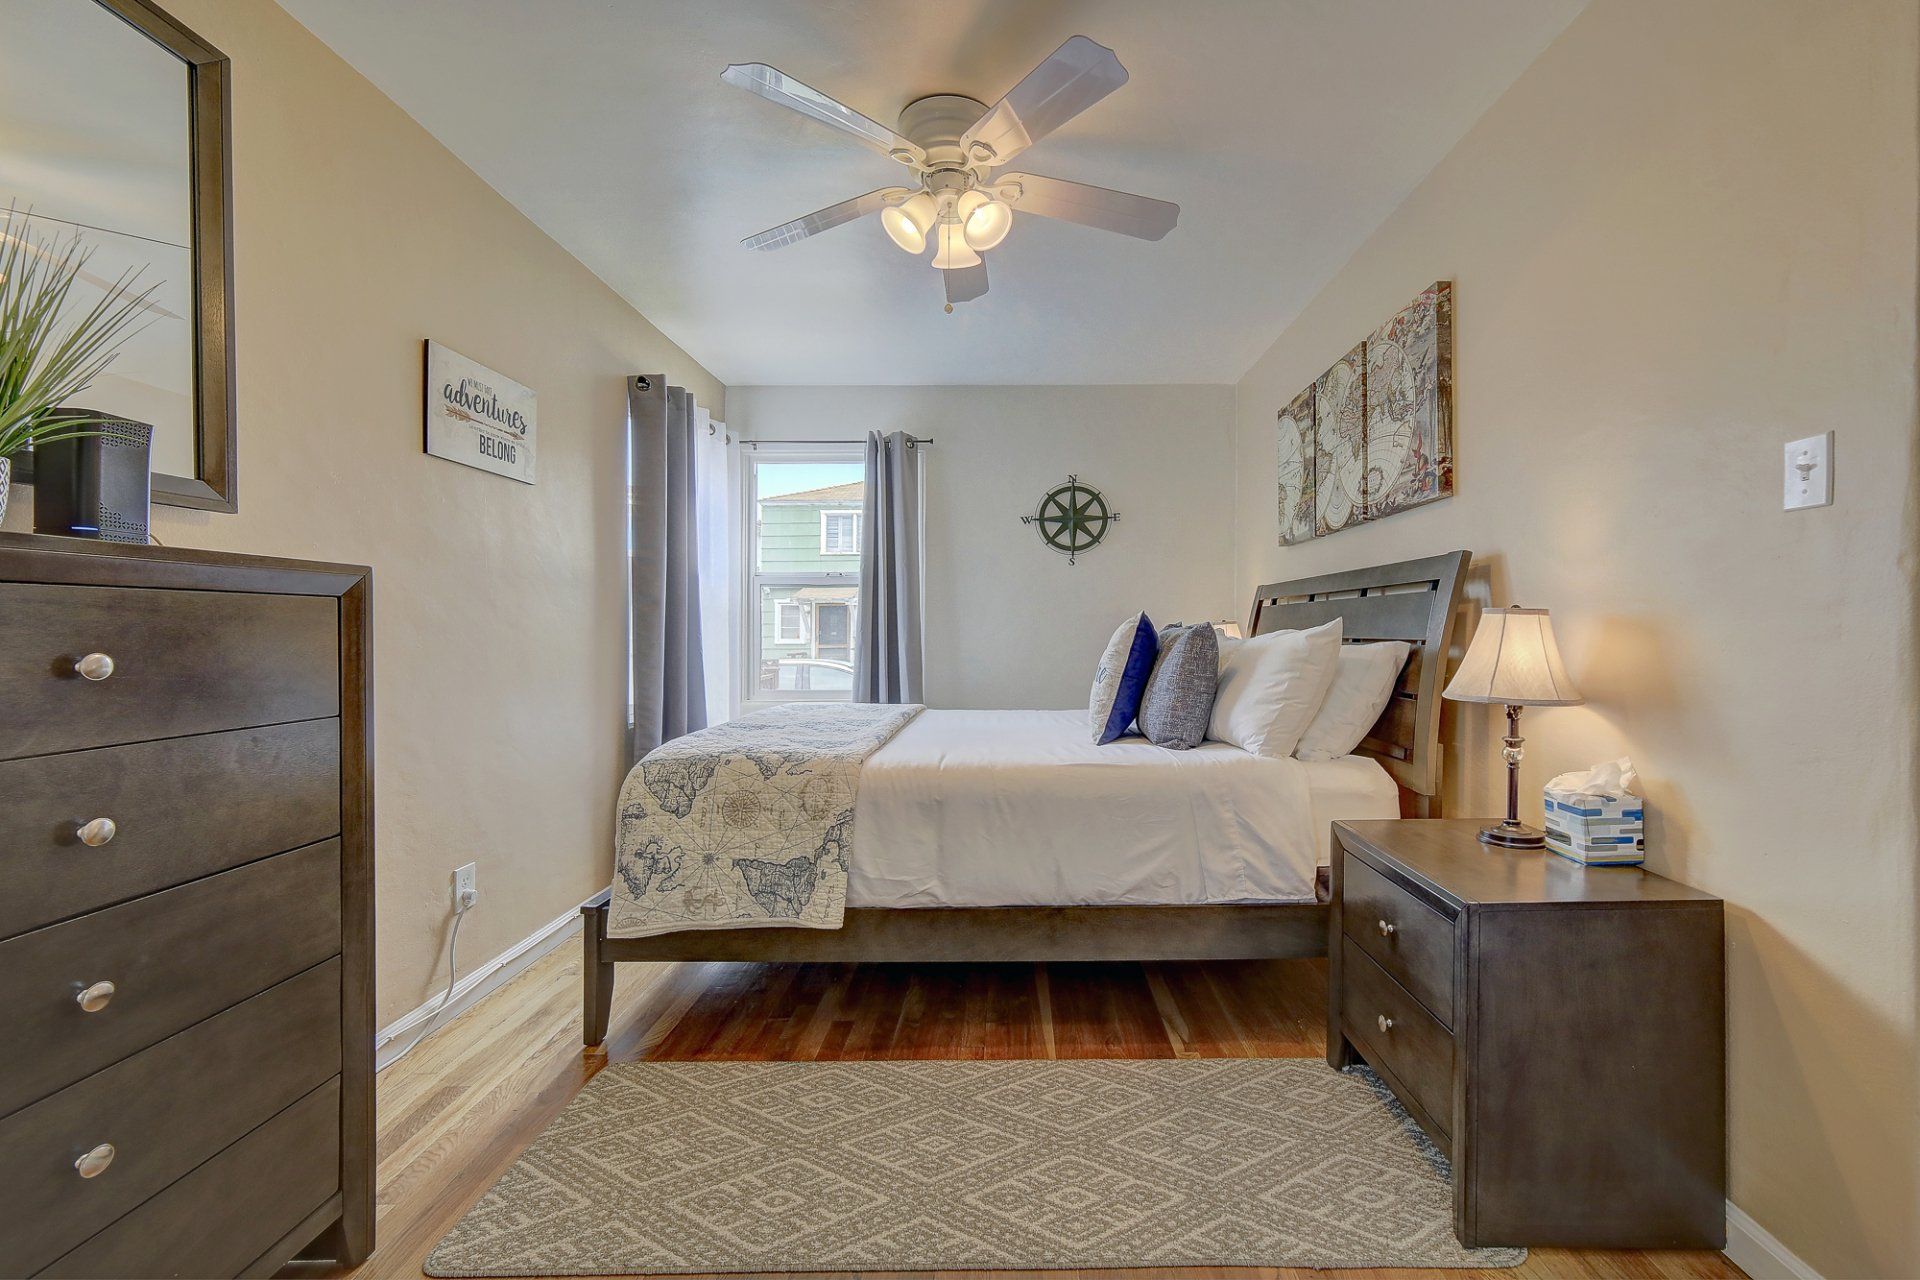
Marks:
<point>886,657</point>
<point>669,689</point>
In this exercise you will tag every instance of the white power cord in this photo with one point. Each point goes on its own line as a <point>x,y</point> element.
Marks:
<point>467,900</point>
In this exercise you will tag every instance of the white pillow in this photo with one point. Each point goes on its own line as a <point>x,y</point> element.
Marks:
<point>1271,686</point>
<point>1363,680</point>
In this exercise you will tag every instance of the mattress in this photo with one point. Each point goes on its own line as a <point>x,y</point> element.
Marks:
<point>1020,808</point>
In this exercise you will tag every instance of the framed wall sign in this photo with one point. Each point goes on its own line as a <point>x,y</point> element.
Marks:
<point>477,417</point>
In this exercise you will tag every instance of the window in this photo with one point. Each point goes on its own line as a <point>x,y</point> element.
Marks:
<point>789,622</point>
<point>801,574</point>
<point>839,533</point>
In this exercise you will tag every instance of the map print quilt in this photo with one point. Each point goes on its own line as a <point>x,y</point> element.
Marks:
<point>748,824</point>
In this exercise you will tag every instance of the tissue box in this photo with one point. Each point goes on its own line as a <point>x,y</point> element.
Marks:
<point>1597,830</point>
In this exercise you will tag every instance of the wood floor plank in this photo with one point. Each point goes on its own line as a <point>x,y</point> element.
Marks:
<point>458,1110</point>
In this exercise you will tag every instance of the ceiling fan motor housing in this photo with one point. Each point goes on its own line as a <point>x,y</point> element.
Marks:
<point>936,124</point>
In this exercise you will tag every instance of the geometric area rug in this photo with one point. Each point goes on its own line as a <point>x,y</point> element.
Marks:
<point>664,1167</point>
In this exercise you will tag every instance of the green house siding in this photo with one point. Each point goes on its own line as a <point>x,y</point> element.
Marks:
<point>792,540</point>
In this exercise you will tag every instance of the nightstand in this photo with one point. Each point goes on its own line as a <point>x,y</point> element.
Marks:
<point>1559,1031</point>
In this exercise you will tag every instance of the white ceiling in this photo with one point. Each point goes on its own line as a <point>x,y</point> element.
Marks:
<point>1285,129</point>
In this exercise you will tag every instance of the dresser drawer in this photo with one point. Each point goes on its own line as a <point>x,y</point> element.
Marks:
<point>164,1111</point>
<point>174,957</point>
<point>182,808</point>
<point>1406,937</point>
<point>1397,1035</point>
<point>183,662</point>
<point>222,1218</point>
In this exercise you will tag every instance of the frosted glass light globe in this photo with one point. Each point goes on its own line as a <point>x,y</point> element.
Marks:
<point>985,220</point>
<point>909,221</point>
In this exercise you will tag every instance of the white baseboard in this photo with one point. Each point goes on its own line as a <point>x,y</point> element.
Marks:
<point>396,1036</point>
<point>1753,1249</point>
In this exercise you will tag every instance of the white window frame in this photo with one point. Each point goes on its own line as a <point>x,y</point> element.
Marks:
<point>853,539</point>
<point>796,610</point>
<point>747,647</point>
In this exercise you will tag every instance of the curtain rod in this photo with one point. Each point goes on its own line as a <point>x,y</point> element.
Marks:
<point>911,440</point>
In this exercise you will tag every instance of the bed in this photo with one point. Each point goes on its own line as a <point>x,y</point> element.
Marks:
<point>986,836</point>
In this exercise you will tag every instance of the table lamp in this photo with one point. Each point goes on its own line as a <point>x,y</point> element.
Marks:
<point>1513,660</point>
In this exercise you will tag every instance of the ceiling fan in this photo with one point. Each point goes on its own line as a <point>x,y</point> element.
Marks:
<point>956,146</point>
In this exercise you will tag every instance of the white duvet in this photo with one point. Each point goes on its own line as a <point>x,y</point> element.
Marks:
<point>1008,808</point>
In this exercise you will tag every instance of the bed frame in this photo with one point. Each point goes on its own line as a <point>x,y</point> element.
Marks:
<point>1413,600</point>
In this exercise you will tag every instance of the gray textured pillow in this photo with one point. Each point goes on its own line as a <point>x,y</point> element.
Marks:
<point>1179,697</point>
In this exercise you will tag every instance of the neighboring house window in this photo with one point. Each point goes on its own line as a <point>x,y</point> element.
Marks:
<point>801,571</point>
<point>839,533</point>
<point>789,622</point>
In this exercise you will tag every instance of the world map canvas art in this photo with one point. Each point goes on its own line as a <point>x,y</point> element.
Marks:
<point>1340,444</point>
<point>1373,435</point>
<point>1409,405</point>
<point>1296,469</point>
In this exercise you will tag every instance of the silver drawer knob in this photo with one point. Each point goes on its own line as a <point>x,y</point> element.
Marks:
<point>1388,928</point>
<point>1386,1023</point>
<point>95,666</point>
<point>98,832</point>
<point>95,1162</point>
<point>95,997</point>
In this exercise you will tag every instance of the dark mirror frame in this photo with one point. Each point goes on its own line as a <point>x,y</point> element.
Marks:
<point>214,487</point>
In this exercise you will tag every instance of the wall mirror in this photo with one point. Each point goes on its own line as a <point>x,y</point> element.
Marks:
<point>114,127</point>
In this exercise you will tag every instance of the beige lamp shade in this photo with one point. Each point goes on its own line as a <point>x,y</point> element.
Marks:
<point>1513,659</point>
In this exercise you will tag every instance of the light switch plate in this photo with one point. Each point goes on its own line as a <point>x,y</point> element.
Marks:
<point>1809,473</point>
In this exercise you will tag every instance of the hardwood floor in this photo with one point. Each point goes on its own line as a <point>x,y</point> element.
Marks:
<point>457,1110</point>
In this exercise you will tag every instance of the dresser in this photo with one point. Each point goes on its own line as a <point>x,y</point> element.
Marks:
<point>186,911</point>
<point>1558,1031</point>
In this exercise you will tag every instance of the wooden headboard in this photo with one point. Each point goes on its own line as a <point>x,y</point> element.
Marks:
<point>1415,601</point>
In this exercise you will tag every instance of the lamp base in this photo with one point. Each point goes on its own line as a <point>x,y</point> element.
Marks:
<point>1514,835</point>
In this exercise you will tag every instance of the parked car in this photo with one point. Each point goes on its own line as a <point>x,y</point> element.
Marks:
<point>806,675</point>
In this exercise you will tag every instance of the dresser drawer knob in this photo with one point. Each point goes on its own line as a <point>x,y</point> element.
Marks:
<point>98,832</point>
<point>95,1162</point>
<point>95,666</point>
<point>1386,1023</point>
<point>1388,928</point>
<point>95,997</point>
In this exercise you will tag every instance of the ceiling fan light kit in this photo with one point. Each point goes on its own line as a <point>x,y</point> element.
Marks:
<point>955,146</point>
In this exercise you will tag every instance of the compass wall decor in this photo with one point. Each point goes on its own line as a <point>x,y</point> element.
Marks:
<point>1072,518</point>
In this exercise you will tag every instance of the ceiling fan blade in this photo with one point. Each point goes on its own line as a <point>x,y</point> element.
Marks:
<point>964,284</point>
<point>776,85</point>
<point>1074,77</point>
<point>824,219</point>
<point>1120,211</point>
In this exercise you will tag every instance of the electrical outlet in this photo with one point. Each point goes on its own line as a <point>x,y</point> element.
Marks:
<point>466,880</point>
<point>1809,475</point>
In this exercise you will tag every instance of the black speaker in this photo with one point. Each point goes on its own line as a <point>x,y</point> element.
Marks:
<point>94,486</point>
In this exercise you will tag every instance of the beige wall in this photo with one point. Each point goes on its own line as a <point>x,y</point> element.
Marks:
<point>1685,237</point>
<point>1009,622</point>
<point>499,653</point>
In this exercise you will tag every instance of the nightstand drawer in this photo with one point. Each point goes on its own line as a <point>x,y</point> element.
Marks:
<point>1406,937</point>
<point>1398,1036</point>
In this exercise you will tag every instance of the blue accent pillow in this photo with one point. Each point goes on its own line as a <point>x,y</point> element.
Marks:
<point>1121,679</point>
